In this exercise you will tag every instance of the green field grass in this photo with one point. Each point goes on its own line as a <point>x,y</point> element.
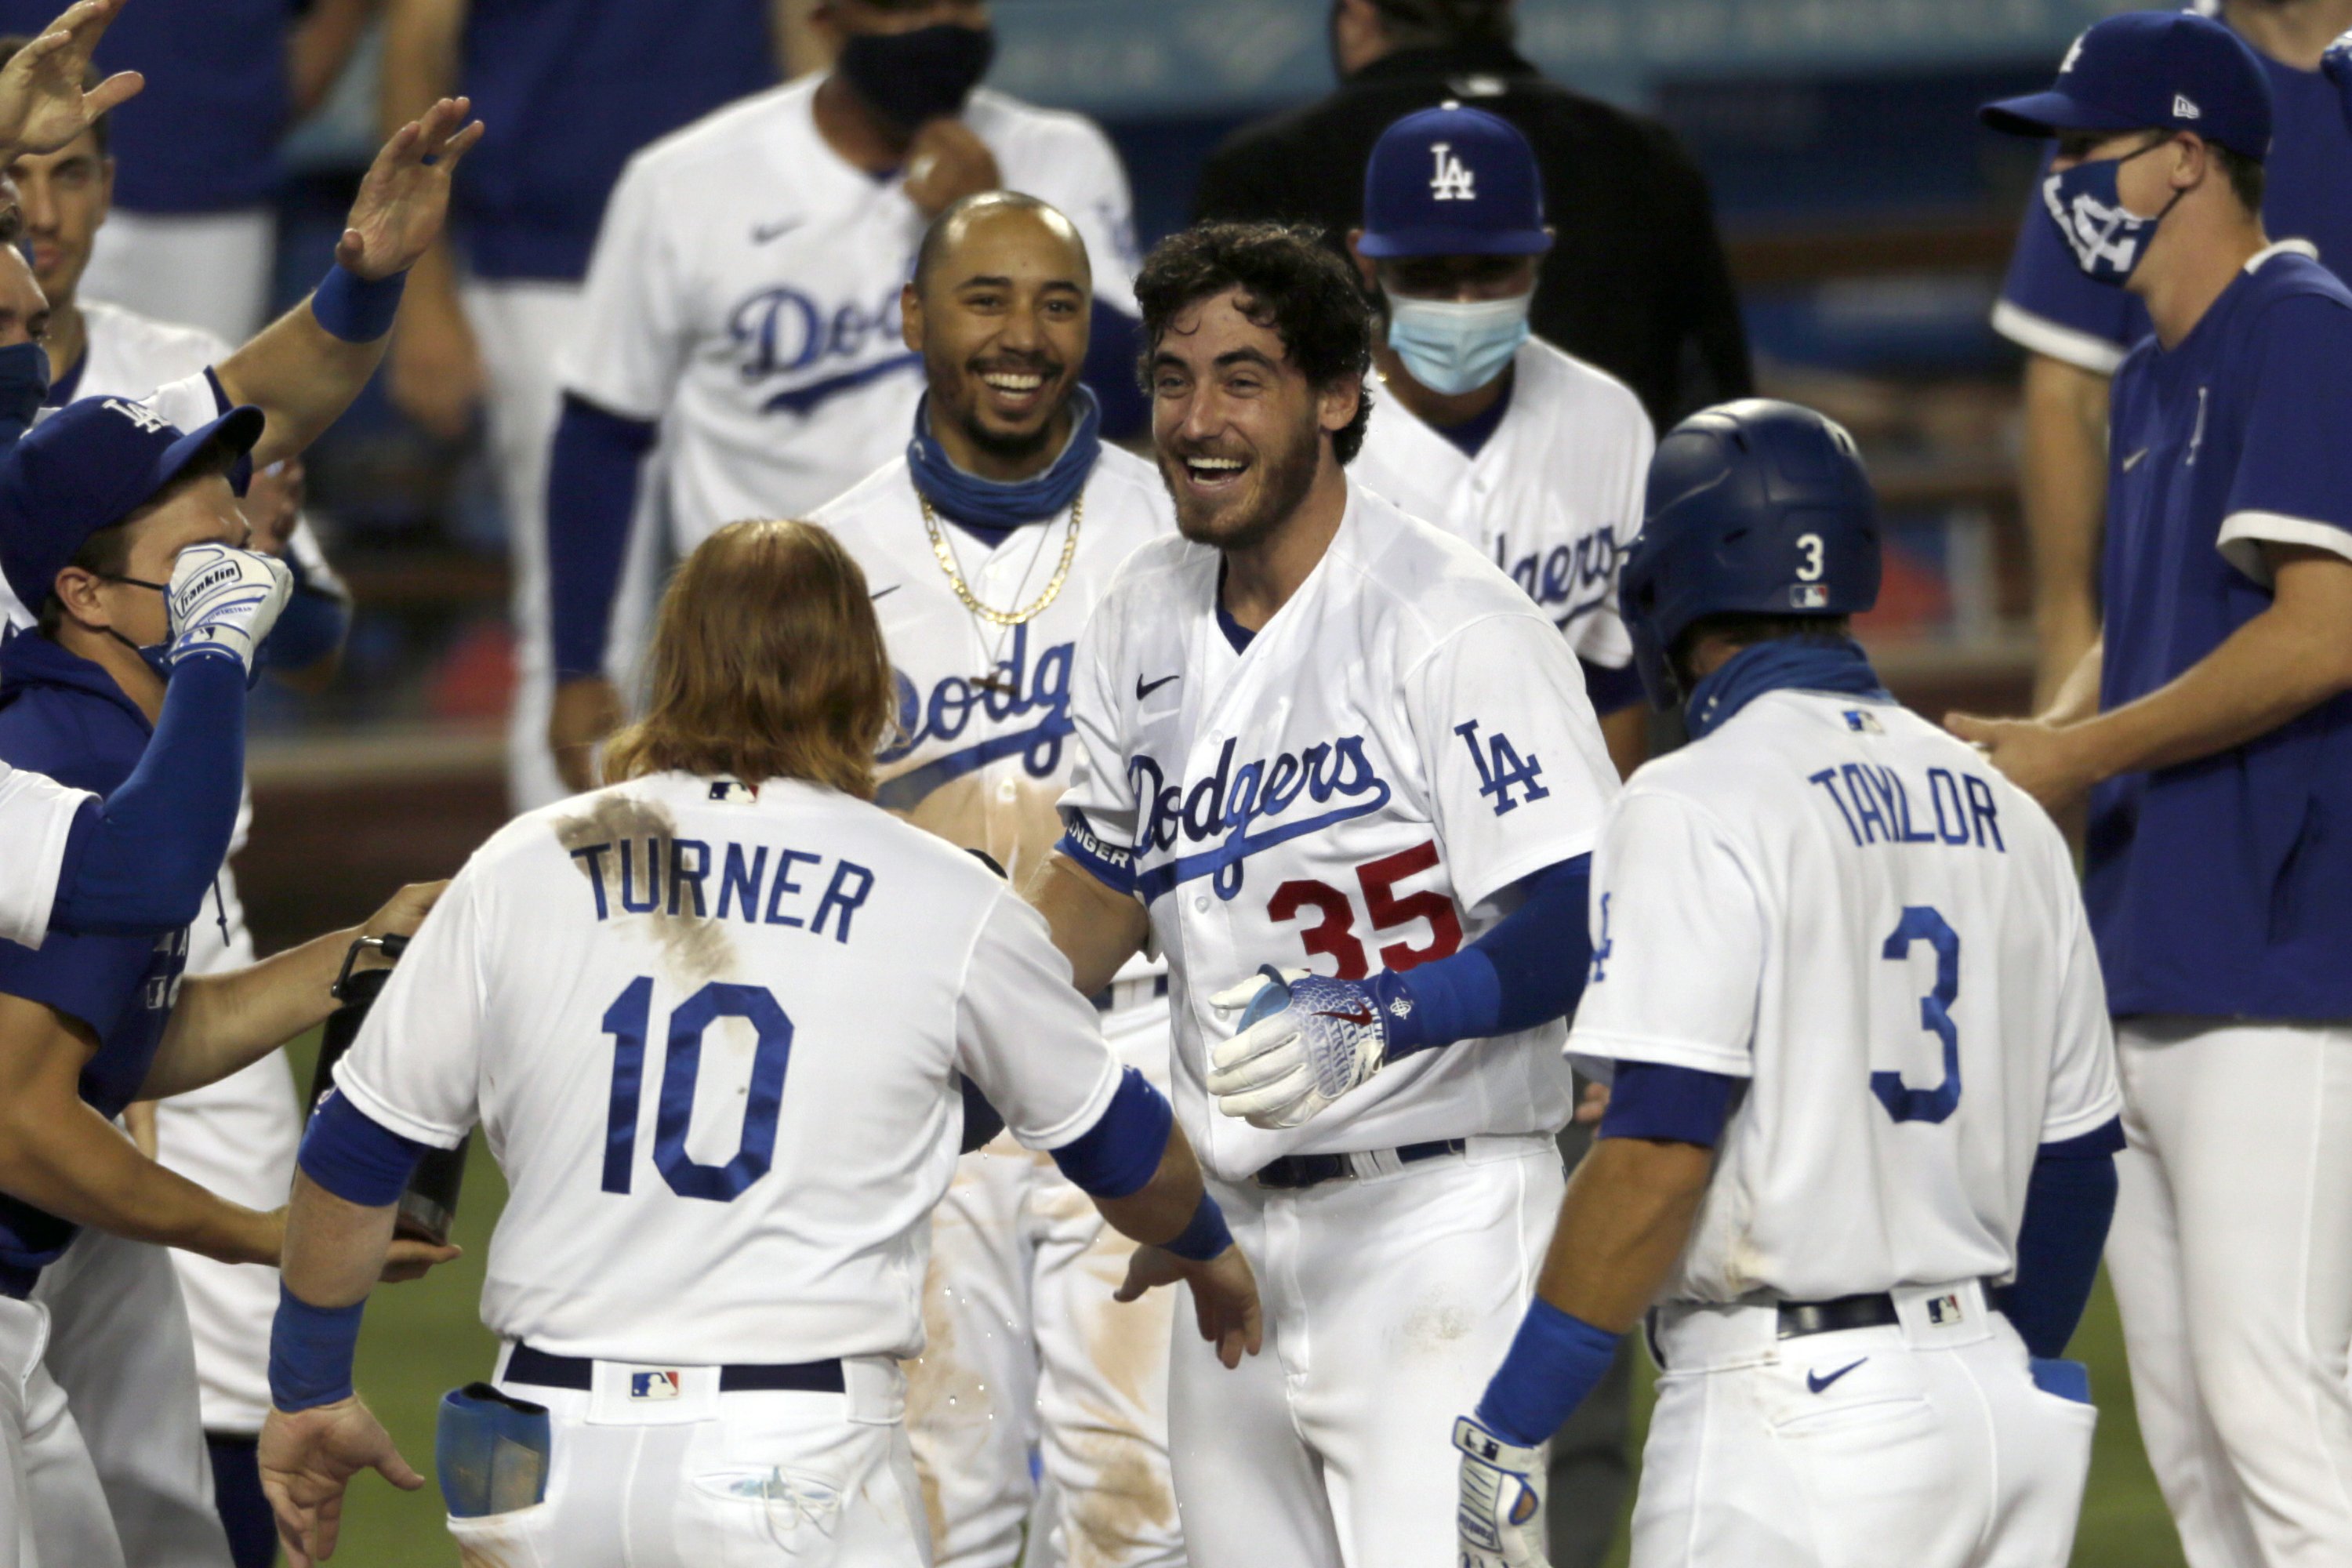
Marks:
<point>426,1338</point>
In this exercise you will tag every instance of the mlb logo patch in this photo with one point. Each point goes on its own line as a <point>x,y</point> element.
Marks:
<point>1808,596</point>
<point>1863,723</point>
<point>653,1386</point>
<point>734,791</point>
<point>1943,1311</point>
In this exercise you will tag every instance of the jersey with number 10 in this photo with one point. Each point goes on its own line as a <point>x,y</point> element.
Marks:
<point>711,1032</point>
<point>1356,789</point>
<point>1836,901</point>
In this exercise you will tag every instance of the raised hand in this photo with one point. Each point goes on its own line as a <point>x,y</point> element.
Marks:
<point>404,199</point>
<point>307,1458</point>
<point>42,104</point>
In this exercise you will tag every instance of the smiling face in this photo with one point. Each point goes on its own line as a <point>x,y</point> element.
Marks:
<point>1240,430</point>
<point>1000,310</point>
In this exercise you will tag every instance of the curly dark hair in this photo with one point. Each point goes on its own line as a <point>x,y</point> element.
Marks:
<point>1294,287</point>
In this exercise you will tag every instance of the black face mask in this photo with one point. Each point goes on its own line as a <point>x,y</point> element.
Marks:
<point>23,387</point>
<point>910,79</point>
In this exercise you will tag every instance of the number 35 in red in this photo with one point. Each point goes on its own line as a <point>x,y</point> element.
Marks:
<point>1334,936</point>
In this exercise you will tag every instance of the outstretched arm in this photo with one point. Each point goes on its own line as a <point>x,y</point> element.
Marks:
<point>42,104</point>
<point>304,369</point>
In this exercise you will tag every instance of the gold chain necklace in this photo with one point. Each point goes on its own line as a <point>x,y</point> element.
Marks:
<point>955,577</point>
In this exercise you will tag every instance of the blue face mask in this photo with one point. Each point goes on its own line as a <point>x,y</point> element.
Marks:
<point>2108,238</point>
<point>23,387</point>
<point>1453,348</point>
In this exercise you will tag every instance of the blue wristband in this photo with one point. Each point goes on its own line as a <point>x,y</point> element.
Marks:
<point>354,309</point>
<point>310,1351</point>
<point>1554,1362</point>
<point>1205,1237</point>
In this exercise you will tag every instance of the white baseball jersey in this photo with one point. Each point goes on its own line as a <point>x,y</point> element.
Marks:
<point>36,818</point>
<point>1402,742</point>
<point>983,752</point>
<point>1554,497</point>
<point>711,1033</point>
<point>745,291</point>
<point>1834,899</point>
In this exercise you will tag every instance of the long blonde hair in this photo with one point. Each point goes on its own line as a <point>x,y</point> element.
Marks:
<point>767,662</point>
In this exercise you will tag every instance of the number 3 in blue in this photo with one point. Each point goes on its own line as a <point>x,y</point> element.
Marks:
<point>626,1021</point>
<point>1921,923</point>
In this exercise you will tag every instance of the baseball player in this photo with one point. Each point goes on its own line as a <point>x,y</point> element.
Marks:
<point>237,1137</point>
<point>1859,1144</point>
<point>2074,332</point>
<point>743,304</point>
<point>1528,453</point>
<point>490,330</point>
<point>1316,735</point>
<point>2208,728</point>
<point>987,544</point>
<point>811,975</point>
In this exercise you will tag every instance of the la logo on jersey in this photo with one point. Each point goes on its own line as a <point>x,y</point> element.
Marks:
<point>1500,771</point>
<point>654,1386</point>
<point>1452,181</point>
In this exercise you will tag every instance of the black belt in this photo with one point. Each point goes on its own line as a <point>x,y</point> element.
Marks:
<point>1293,1171</point>
<point>528,1365</point>
<point>1799,1319</point>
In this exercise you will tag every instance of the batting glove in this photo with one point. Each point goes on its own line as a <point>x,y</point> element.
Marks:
<point>1303,1041</point>
<point>223,601</point>
<point>1499,1516</point>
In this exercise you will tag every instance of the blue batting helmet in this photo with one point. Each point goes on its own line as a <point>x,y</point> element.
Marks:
<point>1755,507</point>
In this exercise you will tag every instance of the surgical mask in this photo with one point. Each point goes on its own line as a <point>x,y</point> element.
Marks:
<point>1453,347</point>
<point>2108,238</point>
<point>23,387</point>
<point>911,78</point>
<point>157,657</point>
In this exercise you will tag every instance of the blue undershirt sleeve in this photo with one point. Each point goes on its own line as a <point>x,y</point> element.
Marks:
<point>1674,1104</point>
<point>1118,1155</point>
<point>2069,1200</point>
<point>143,861</point>
<point>1528,970</point>
<point>592,495</point>
<point>356,1158</point>
<point>1610,689</point>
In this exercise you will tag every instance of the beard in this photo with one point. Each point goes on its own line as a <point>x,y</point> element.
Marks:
<point>1279,481</point>
<point>954,399</point>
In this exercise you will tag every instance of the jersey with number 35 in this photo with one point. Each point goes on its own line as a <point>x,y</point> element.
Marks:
<point>1840,903</point>
<point>711,1034</point>
<point>1358,788</point>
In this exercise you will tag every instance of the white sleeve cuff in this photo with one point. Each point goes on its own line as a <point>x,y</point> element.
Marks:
<point>2243,534</point>
<point>372,1106</point>
<point>2040,335</point>
<point>2058,1129</point>
<point>1597,1046</point>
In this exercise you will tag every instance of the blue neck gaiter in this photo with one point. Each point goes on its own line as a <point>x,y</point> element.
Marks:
<point>975,502</point>
<point>1799,663</point>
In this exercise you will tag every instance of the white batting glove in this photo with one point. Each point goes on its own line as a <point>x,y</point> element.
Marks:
<point>1303,1041</point>
<point>1499,1517</point>
<point>223,601</point>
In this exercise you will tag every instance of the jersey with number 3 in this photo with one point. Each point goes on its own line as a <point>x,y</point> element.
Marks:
<point>711,1034</point>
<point>1840,903</point>
<point>1358,788</point>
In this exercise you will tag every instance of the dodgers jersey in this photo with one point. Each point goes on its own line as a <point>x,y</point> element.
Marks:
<point>1831,898</point>
<point>1359,785</point>
<point>2048,306</point>
<point>36,818</point>
<point>744,291</point>
<point>1553,497</point>
<point>711,1031</point>
<point>983,750</point>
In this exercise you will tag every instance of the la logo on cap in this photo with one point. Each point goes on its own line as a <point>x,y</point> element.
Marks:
<point>2183,108</point>
<point>1452,181</point>
<point>139,414</point>
<point>2073,53</point>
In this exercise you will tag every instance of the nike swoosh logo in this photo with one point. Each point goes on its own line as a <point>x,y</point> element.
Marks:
<point>2133,461</point>
<point>762,233</point>
<point>1816,1382</point>
<point>1359,1017</point>
<point>891,589</point>
<point>1144,688</point>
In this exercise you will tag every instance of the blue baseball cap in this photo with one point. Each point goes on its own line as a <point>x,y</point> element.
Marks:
<point>88,467</point>
<point>1453,182</point>
<point>2146,70</point>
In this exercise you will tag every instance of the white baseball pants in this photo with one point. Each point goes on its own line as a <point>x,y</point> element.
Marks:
<point>716,1480</point>
<point>1389,1302</point>
<point>2231,1257</point>
<point>1025,1345</point>
<point>52,1509</point>
<point>520,329</point>
<point>1924,1444</point>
